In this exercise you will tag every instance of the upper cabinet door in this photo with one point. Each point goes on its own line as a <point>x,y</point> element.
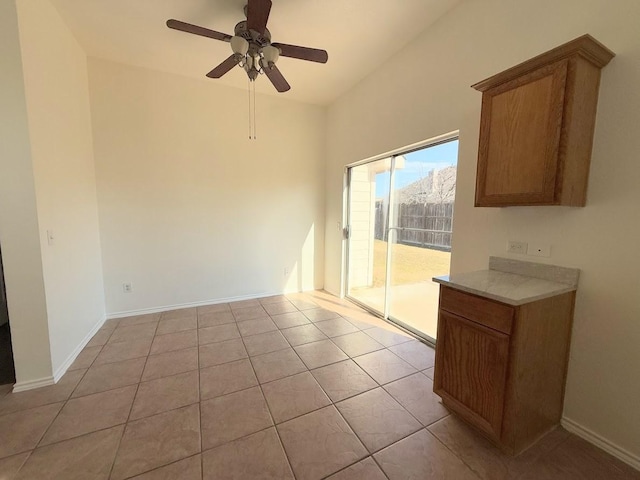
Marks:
<point>536,127</point>
<point>520,139</point>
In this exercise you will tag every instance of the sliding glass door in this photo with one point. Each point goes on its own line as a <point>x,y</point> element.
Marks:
<point>369,188</point>
<point>400,221</point>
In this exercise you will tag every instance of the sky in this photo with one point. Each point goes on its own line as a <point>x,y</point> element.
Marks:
<point>418,164</point>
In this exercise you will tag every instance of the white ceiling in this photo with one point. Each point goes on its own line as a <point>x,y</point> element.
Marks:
<point>359,36</point>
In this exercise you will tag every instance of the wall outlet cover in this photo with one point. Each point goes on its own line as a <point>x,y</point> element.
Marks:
<point>539,250</point>
<point>515,246</point>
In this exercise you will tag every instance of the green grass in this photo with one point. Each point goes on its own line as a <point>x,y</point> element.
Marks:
<point>409,264</point>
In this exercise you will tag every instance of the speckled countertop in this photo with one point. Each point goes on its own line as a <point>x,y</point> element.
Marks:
<point>514,288</point>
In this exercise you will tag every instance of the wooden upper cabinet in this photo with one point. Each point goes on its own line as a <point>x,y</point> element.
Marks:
<point>536,127</point>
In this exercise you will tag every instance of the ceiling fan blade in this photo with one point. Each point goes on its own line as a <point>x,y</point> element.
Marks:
<point>258,14</point>
<point>277,79</point>
<point>196,30</point>
<point>223,68</point>
<point>302,53</point>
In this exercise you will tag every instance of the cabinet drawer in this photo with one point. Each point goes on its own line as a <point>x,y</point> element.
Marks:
<point>485,312</point>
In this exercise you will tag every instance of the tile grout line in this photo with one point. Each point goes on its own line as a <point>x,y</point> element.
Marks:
<point>382,448</point>
<point>352,358</point>
<point>429,432</point>
<point>127,360</point>
<point>109,389</point>
<point>403,407</point>
<point>379,385</point>
<point>226,363</point>
<point>200,395</point>
<point>355,434</point>
<point>29,453</point>
<point>162,466</point>
<point>174,350</point>
<point>47,403</point>
<point>173,374</point>
<point>125,423</point>
<point>64,403</point>
<point>375,460</point>
<point>298,326</point>
<point>124,430</point>
<point>331,404</point>
<point>267,403</point>
<point>148,416</point>
<point>356,463</point>
<point>270,415</point>
<point>310,411</point>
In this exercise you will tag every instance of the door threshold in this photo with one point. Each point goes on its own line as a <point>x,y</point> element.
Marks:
<point>422,337</point>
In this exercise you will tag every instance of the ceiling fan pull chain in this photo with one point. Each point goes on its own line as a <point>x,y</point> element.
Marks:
<point>249,92</point>
<point>255,122</point>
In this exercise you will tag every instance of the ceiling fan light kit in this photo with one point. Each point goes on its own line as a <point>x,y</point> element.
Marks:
<point>239,45</point>
<point>251,46</point>
<point>253,51</point>
<point>270,54</point>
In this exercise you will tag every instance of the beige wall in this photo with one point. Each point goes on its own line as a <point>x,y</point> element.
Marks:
<point>408,101</point>
<point>19,234</point>
<point>57,93</point>
<point>190,209</point>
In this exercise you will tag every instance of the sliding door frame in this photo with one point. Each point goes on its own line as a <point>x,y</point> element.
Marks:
<point>384,315</point>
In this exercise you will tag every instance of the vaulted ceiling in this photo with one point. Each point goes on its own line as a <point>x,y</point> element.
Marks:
<point>358,34</point>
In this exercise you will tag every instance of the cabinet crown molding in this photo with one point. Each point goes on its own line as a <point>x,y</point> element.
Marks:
<point>586,46</point>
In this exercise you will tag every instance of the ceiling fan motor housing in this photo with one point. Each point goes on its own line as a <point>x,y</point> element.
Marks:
<point>252,36</point>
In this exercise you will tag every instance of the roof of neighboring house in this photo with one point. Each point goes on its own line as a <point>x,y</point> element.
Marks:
<point>438,186</point>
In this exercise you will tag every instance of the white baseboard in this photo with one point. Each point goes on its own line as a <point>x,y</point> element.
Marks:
<point>31,384</point>
<point>62,369</point>
<point>164,308</point>
<point>601,442</point>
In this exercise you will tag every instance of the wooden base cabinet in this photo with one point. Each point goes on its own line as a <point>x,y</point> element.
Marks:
<point>502,368</point>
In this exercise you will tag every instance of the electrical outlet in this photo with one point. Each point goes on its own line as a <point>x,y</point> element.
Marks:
<point>514,246</point>
<point>286,271</point>
<point>127,288</point>
<point>51,239</point>
<point>539,250</point>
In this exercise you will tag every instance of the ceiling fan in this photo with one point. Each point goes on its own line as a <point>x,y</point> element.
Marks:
<point>252,47</point>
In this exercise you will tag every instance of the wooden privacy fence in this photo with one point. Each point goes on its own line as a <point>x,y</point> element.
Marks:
<point>420,225</point>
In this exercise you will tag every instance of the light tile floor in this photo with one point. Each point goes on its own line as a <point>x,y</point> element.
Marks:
<point>305,386</point>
